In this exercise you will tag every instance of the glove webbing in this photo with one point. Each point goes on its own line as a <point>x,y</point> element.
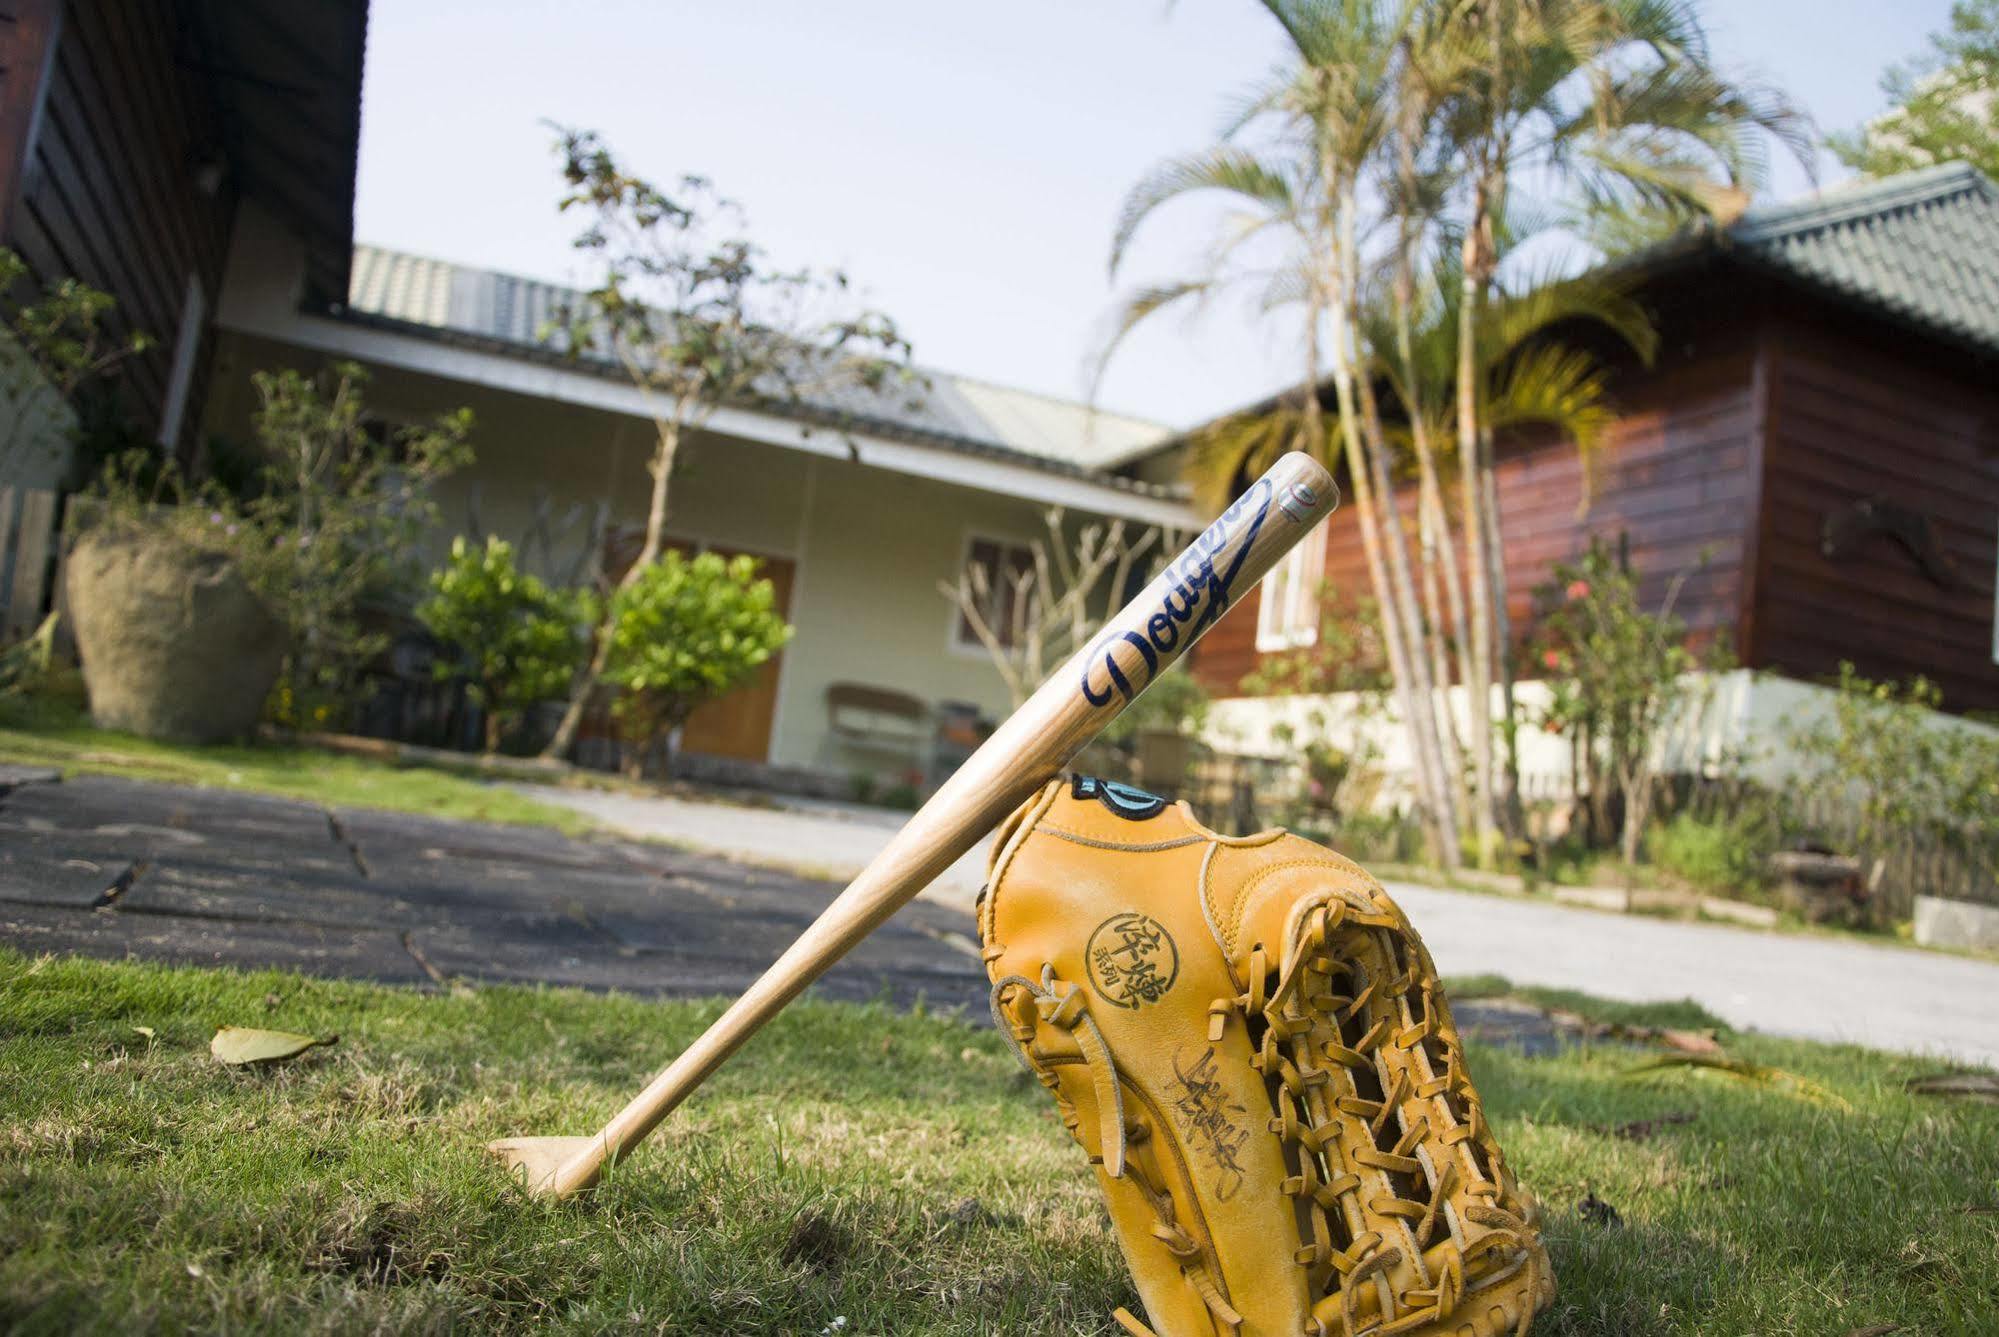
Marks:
<point>1333,1133</point>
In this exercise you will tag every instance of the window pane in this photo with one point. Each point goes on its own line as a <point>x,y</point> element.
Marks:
<point>1004,567</point>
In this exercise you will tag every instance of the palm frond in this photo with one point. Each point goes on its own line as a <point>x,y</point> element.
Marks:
<point>1742,1070</point>
<point>1134,308</point>
<point>1230,170</point>
<point>1564,388</point>
<point>1226,454</point>
<point>1545,300</point>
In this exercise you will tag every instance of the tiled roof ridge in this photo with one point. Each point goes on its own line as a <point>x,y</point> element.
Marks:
<point>1864,199</point>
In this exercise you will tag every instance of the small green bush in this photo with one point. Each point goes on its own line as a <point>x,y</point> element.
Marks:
<point>1379,837</point>
<point>519,641</point>
<point>686,630</point>
<point>1726,857</point>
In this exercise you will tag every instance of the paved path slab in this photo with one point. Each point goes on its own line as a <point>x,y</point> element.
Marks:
<point>1816,988</point>
<point>113,868</point>
<point>117,868</point>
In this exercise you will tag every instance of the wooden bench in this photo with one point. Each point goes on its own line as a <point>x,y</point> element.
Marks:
<point>878,719</point>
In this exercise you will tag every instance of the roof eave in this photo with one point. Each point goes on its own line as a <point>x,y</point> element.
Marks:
<point>803,413</point>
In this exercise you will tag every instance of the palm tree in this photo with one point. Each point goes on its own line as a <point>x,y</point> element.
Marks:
<point>1385,144</point>
<point>1618,102</point>
<point>1322,118</point>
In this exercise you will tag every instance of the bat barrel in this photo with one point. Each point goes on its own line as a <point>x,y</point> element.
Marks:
<point>1141,642</point>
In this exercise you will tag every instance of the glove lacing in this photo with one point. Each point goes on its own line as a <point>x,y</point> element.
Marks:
<point>1062,1004</point>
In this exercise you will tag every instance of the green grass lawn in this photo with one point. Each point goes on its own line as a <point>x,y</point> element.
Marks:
<point>65,740</point>
<point>897,1170</point>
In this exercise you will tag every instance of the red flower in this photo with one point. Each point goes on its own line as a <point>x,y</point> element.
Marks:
<point>1578,589</point>
<point>1551,659</point>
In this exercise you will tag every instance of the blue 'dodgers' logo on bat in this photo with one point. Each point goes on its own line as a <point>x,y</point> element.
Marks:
<point>1197,592</point>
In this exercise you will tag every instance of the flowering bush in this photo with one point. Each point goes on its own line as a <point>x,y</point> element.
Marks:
<point>1618,676</point>
<point>683,631</point>
<point>519,641</point>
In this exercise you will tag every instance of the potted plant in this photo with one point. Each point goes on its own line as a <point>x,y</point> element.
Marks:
<point>188,604</point>
<point>683,631</point>
<point>175,641</point>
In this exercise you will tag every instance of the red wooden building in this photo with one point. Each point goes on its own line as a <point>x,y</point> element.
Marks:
<point>1821,426</point>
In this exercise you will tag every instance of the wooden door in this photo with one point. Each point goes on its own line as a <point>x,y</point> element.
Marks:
<point>739,724</point>
<point>735,725</point>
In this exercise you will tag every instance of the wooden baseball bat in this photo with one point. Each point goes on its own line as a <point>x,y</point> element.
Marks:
<point>1031,748</point>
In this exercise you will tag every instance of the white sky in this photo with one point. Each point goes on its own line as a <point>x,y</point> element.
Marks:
<point>963,162</point>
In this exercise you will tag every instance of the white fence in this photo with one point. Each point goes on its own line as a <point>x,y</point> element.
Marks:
<point>1747,720</point>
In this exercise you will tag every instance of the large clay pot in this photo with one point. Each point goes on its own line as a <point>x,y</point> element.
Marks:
<point>174,643</point>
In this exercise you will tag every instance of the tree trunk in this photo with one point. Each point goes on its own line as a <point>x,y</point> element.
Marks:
<point>664,451</point>
<point>1391,631</point>
<point>1387,554</point>
<point>1478,533</point>
<point>1513,818</point>
<point>1437,552</point>
<point>1430,558</point>
<point>1425,733</point>
<point>493,731</point>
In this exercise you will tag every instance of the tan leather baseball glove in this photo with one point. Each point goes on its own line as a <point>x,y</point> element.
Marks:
<point>1249,1040</point>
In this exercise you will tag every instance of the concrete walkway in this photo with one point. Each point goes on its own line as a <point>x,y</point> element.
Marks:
<point>1835,989</point>
<point>827,839</point>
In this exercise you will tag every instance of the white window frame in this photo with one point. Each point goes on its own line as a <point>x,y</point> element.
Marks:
<point>959,639</point>
<point>1287,613</point>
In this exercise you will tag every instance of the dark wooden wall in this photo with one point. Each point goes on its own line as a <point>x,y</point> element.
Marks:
<point>1859,413</point>
<point>107,187</point>
<point>1673,480</point>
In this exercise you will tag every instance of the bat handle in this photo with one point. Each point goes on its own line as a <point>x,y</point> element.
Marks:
<point>965,807</point>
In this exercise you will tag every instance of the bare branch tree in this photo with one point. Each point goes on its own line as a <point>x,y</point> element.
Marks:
<point>1032,619</point>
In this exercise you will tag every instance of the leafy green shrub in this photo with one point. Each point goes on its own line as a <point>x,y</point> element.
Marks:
<point>520,642</point>
<point>683,631</point>
<point>24,663</point>
<point>1379,837</point>
<point>1727,856</point>
<point>343,507</point>
<point>332,525</point>
<point>1887,777</point>
<point>903,796</point>
<point>60,349</point>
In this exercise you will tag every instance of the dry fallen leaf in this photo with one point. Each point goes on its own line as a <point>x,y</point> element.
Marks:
<point>1690,1042</point>
<point>146,1031</point>
<point>241,1045</point>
